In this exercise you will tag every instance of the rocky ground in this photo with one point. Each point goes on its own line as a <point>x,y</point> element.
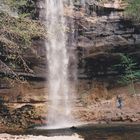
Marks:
<point>107,111</point>
<point>16,120</point>
<point>96,107</point>
<point>101,105</point>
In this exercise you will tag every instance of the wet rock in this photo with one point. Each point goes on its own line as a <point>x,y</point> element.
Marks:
<point>73,128</point>
<point>134,119</point>
<point>23,116</point>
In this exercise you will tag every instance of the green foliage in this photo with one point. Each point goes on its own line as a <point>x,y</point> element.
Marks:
<point>20,30</point>
<point>129,67</point>
<point>24,7</point>
<point>16,3</point>
<point>16,35</point>
<point>130,71</point>
<point>133,10</point>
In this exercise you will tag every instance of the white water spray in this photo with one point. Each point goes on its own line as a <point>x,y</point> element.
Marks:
<point>59,112</point>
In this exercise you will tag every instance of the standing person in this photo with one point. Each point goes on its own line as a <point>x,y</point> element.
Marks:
<point>119,102</point>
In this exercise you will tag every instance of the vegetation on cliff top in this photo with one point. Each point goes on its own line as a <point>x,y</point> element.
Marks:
<point>26,8</point>
<point>16,35</point>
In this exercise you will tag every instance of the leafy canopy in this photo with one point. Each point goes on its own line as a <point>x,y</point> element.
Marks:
<point>133,9</point>
<point>130,71</point>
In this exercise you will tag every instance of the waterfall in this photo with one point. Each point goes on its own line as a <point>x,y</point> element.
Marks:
<point>59,109</point>
<point>83,2</point>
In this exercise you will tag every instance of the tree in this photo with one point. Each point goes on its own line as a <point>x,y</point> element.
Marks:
<point>133,9</point>
<point>26,8</point>
<point>130,72</point>
<point>16,36</point>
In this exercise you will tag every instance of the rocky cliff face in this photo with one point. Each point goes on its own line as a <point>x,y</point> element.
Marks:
<point>101,32</point>
<point>102,35</point>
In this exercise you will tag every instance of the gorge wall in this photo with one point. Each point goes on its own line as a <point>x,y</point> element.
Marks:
<point>101,34</point>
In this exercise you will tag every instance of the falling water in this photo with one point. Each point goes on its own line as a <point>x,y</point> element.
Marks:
<point>83,2</point>
<point>59,112</point>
